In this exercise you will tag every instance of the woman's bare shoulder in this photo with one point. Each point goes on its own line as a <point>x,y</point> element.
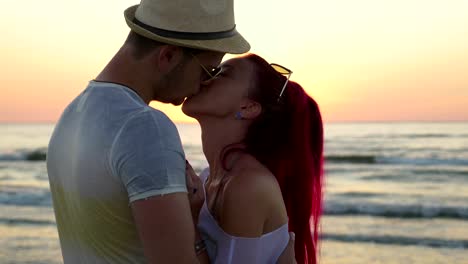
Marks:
<point>251,196</point>
<point>250,177</point>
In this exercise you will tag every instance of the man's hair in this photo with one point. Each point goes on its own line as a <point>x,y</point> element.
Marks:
<point>142,46</point>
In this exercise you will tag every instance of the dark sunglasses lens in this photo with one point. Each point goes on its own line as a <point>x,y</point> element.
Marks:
<point>215,71</point>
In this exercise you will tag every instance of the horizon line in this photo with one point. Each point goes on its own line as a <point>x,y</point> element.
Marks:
<point>325,122</point>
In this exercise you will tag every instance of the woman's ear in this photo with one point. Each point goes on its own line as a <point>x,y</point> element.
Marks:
<point>250,109</point>
<point>168,57</point>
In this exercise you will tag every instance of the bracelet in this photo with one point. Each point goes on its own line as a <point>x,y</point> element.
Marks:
<point>200,246</point>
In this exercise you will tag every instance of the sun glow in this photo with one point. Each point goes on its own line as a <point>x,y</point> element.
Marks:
<point>361,60</point>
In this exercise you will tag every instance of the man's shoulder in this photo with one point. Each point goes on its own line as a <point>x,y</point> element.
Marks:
<point>147,129</point>
<point>152,119</point>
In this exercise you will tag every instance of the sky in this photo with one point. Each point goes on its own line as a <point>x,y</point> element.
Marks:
<point>361,60</point>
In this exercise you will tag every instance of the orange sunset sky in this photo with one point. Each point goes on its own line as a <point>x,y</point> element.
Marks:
<point>362,60</point>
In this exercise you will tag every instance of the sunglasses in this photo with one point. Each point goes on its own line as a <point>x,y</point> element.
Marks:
<point>284,71</point>
<point>209,74</point>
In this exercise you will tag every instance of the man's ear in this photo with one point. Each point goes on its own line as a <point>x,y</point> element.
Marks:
<point>250,109</point>
<point>168,58</point>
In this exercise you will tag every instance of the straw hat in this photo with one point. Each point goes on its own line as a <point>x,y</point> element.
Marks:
<point>199,24</point>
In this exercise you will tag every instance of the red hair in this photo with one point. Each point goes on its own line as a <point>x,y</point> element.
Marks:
<point>288,139</point>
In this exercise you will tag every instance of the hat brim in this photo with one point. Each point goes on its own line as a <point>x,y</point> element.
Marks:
<point>235,44</point>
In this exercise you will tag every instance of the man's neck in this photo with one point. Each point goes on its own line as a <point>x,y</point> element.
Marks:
<point>123,70</point>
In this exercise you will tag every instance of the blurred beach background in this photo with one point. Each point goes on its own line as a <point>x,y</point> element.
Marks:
<point>390,78</point>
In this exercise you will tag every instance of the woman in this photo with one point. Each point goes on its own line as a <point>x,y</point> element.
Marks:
<point>263,138</point>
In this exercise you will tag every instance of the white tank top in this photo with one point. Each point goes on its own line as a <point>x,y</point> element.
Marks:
<point>227,249</point>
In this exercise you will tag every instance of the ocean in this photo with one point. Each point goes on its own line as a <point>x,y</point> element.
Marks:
<point>394,192</point>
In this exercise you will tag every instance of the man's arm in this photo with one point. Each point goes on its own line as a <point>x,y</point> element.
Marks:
<point>148,159</point>
<point>166,230</point>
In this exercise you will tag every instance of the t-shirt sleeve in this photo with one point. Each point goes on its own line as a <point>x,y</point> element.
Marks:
<point>147,156</point>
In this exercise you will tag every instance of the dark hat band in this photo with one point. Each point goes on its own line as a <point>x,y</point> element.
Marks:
<point>187,35</point>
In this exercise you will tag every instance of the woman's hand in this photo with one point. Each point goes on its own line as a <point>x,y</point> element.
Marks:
<point>196,194</point>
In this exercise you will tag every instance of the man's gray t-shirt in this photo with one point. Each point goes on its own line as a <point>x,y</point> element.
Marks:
<point>109,149</point>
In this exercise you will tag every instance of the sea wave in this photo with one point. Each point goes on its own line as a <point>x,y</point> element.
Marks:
<point>25,221</point>
<point>39,154</point>
<point>348,238</point>
<point>374,159</point>
<point>417,176</point>
<point>25,196</point>
<point>40,197</point>
<point>398,240</point>
<point>423,161</point>
<point>396,211</point>
<point>430,135</point>
<point>413,135</point>
<point>365,159</point>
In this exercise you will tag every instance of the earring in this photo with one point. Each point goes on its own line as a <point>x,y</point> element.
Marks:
<point>239,115</point>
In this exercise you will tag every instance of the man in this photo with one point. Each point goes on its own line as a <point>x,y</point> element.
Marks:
<point>116,166</point>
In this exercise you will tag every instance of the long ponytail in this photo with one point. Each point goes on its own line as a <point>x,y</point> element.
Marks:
<point>288,139</point>
<point>302,176</point>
